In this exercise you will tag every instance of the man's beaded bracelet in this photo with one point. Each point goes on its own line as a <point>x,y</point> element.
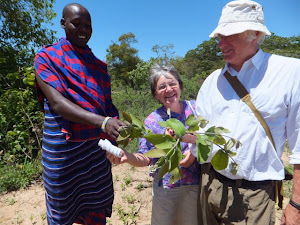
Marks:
<point>294,204</point>
<point>103,125</point>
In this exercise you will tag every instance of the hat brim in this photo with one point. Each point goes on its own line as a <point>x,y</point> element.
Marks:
<point>227,29</point>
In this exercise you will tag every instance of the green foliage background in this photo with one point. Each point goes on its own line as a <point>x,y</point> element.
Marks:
<point>25,29</point>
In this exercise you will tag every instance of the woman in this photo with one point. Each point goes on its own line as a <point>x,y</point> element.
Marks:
<point>172,203</point>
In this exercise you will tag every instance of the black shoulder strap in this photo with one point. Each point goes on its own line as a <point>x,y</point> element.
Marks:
<point>245,97</point>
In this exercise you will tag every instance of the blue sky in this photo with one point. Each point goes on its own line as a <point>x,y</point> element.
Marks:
<point>185,24</point>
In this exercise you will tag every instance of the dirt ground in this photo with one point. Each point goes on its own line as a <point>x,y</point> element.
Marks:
<point>132,203</point>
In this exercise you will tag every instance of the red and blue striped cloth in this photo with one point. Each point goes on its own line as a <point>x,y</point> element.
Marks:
<point>80,77</point>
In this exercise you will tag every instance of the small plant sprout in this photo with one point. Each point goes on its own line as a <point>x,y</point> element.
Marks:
<point>140,186</point>
<point>167,148</point>
<point>127,180</point>
<point>10,201</point>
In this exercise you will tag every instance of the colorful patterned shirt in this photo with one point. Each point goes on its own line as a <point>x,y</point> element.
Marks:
<point>190,175</point>
<point>80,77</point>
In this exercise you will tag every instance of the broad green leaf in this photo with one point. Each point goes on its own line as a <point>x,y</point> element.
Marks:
<point>210,131</point>
<point>234,168</point>
<point>136,121</point>
<point>176,174</point>
<point>163,123</point>
<point>193,123</point>
<point>189,121</point>
<point>219,140</point>
<point>203,123</point>
<point>155,153</point>
<point>160,162</point>
<point>193,128</point>
<point>31,83</point>
<point>220,130</point>
<point>25,81</point>
<point>220,160</point>
<point>163,170</point>
<point>200,121</point>
<point>203,152</point>
<point>209,139</point>
<point>123,142</point>
<point>177,126</point>
<point>202,139</point>
<point>124,133</point>
<point>148,132</point>
<point>127,117</point>
<point>174,159</point>
<point>161,141</point>
<point>137,132</point>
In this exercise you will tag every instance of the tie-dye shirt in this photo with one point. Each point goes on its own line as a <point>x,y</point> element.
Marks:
<point>190,175</point>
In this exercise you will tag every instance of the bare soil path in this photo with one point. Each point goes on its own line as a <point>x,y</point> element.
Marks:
<point>132,204</point>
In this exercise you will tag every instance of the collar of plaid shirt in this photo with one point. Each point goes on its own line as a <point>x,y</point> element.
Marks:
<point>80,77</point>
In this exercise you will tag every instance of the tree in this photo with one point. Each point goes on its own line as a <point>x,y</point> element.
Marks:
<point>122,58</point>
<point>24,30</point>
<point>286,46</point>
<point>24,23</point>
<point>203,60</point>
<point>164,53</point>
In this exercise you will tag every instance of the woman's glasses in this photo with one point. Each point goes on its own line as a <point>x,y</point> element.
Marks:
<point>163,87</point>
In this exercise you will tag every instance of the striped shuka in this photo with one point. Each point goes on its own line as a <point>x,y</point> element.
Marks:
<point>76,173</point>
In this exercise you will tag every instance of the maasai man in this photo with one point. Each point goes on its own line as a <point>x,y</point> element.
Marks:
<point>75,90</point>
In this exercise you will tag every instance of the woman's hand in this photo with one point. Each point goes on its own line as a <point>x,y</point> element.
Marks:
<point>170,131</point>
<point>116,160</point>
<point>188,159</point>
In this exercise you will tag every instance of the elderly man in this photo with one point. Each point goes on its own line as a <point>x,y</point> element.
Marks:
<point>248,197</point>
<point>74,88</point>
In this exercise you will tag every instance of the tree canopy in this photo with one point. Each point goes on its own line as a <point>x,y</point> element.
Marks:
<point>286,46</point>
<point>122,58</point>
<point>23,31</point>
<point>24,23</point>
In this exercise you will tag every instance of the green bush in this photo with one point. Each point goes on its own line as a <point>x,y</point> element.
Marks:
<point>20,126</point>
<point>13,178</point>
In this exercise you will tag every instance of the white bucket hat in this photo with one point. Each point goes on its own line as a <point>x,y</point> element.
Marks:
<point>239,16</point>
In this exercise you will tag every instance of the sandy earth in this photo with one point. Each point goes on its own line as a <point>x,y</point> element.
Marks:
<point>132,203</point>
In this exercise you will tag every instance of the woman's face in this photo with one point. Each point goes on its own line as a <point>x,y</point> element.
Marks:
<point>168,91</point>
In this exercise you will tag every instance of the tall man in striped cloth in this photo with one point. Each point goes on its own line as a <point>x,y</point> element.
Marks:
<point>75,91</point>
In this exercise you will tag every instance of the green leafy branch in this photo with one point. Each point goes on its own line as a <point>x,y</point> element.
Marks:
<point>168,148</point>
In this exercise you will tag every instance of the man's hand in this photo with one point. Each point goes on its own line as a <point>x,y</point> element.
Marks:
<point>112,127</point>
<point>189,138</point>
<point>291,216</point>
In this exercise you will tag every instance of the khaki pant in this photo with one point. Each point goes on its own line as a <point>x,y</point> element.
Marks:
<point>176,206</point>
<point>226,201</point>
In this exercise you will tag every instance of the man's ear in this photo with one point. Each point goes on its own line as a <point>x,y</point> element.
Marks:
<point>62,23</point>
